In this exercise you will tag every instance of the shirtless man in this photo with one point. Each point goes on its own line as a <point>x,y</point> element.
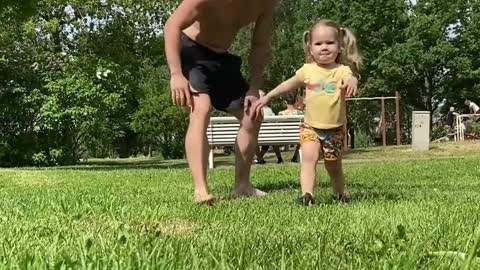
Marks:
<point>204,75</point>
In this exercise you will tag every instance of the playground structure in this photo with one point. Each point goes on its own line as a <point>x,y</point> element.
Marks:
<point>383,120</point>
<point>459,127</point>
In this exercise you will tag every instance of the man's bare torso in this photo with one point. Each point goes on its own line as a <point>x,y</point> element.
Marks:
<point>219,21</point>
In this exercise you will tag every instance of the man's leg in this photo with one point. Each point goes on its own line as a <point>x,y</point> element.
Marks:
<point>196,145</point>
<point>260,153</point>
<point>278,153</point>
<point>245,149</point>
<point>295,153</point>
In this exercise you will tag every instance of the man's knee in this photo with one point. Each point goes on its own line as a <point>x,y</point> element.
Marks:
<point>199,117</point>
<point>201,107</point>
<point>251,124</point>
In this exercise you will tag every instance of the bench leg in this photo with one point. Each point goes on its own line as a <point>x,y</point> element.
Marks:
<point>210,158</point>
<point>300,157</point>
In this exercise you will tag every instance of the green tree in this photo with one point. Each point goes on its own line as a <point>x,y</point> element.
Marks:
<point>161,124</point>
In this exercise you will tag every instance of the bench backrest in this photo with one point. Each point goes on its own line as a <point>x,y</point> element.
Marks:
<point>274,130</point>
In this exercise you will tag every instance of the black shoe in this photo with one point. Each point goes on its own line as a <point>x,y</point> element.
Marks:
<point>294,160</point>
<point>344,198</point>
<point>261,162</point>
<point>307,199</point>
<point>279,161</point>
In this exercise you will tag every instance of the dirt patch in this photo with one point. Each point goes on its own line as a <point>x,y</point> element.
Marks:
<point>174,228</point>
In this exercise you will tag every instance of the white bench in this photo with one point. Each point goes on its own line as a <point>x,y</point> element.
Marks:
<point>275,130</point>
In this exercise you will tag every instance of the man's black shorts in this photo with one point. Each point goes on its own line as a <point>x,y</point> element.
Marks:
<point>215,74</point>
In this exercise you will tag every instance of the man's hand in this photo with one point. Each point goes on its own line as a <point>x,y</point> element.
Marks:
<point>184,16</point>
<point>351,87</point>
<point>248,105</point>
<point>180,90</point>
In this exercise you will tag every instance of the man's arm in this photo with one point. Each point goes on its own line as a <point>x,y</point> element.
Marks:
<point>261,47</point>
<point>182,18</point>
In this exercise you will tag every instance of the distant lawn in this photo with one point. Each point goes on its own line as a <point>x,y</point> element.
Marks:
<point>375,154</point>
<point>135,214</point>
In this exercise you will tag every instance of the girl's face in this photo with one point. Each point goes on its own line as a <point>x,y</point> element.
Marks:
<point>324,46</point>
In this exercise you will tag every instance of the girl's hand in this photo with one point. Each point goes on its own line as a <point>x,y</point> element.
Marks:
<point>351,87</point>
<point>262,102</point>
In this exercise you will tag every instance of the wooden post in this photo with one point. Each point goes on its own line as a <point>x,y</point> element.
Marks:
<point>397,118</point>
<point>384,129</point>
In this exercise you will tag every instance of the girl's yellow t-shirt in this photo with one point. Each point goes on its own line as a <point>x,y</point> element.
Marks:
<point>325,106</point>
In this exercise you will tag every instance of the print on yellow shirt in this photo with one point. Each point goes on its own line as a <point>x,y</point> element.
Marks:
<point>325,106</point>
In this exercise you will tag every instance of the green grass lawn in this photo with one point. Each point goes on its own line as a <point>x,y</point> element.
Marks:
<point>139,215</point>
<point>374,154</point>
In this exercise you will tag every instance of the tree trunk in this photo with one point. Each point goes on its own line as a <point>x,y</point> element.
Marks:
<point>429,96</point>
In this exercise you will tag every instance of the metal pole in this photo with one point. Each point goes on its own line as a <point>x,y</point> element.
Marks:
<point>370,98</point>
<point>457,128</point>
<point>462,130</point>
<point>397,118</point>
<point>384,131</point>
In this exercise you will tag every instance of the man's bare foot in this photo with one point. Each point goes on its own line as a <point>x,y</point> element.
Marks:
<point>250,192</point>
<point>205,200</point>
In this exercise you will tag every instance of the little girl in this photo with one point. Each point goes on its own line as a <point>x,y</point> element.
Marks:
<point>331,55</point>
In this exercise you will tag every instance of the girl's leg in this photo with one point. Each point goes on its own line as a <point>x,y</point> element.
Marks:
<point>332,149</point>
<point>310,152</point>
<point>335,171</point>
